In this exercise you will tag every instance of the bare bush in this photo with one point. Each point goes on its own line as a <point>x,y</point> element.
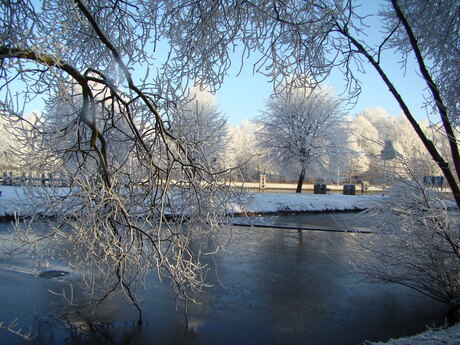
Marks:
<point>416,244</point>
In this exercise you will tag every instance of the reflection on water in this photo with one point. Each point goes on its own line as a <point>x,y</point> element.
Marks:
<point>270,287</point>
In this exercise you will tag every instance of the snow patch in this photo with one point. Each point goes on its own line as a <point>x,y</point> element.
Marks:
<point>296,202</point>
<point>445,336</point>
<point>13,201</point>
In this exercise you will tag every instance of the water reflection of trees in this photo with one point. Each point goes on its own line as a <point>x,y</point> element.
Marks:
<point>73,329</point>
<point>62,330</point>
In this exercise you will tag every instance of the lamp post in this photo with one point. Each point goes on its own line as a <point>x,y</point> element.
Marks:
<point>388,153</point>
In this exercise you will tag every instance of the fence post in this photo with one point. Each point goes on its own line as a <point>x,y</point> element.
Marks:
<point>262,181</point>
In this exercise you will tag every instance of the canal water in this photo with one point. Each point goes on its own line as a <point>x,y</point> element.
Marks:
<point>270,286</point>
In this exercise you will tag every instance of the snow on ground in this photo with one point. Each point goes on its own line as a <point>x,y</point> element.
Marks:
<point>295,202</point>
<point>12,201</point>
<point>449,336</point>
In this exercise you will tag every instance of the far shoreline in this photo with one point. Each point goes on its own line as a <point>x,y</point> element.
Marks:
<point>283,200</point>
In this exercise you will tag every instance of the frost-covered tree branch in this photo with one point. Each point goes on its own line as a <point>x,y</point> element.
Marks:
<point>137,200</point>
<point>13,328</point>
<point>308,39</point>
<point>416,245</point>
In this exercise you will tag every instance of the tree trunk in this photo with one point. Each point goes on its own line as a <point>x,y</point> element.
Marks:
<point>429,145</point>
<point>300,182</point>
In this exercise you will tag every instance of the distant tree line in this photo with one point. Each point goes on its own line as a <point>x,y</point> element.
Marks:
<point>361,140</point>
<point>289,139</point>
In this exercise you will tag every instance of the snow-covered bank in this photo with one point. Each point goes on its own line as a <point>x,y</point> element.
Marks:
<point>294,202</point>
<point>449,336</point>
<point>12,202</point>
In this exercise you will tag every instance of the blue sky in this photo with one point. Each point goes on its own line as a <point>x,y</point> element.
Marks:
<point>243,97</point>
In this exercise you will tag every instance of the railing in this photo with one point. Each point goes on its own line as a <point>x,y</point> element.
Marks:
<point>8,178</point>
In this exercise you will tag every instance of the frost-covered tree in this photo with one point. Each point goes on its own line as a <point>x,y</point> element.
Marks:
<point>311,38</point>
<point>138,197</point>
<point>383,122</point>
<point>198,123</point>
<point>417,243</point>
<point>6,161</point>
<point>243,151</point>
<point>373,126</point>
<point>13,151</point>
<point>367,136</point>
<point>359,161</point>
<point>409,145</point>
<point>366,140</point>
<point>303,130</point>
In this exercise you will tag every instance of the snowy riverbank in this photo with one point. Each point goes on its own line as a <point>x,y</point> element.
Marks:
<point>261,203</point>
<point>12,202</point>
<point>449,336</point>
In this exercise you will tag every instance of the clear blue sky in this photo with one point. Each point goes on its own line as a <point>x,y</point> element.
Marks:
<point>243,97</point>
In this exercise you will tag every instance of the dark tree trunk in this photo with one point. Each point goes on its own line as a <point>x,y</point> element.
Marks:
<point>300,182</point>
<point>442,163</point>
